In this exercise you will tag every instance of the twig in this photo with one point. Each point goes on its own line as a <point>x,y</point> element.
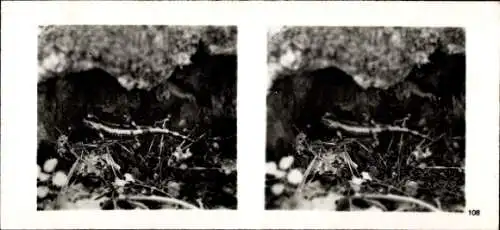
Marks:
<point>165,200</point>
<point>308,171</point>
<point>195,141</point>
<point>369,130</point>
<point>152,142</point>
<point>434,141</point>
<point>109,161</point>
<point>125,148</point>
<point>377,203</point>
<point>150,187</point>
<point>438,203</point>
<point>363,146</point>
<point>350,162</point>
<point>444,167</point>
<point>132,132</point>
<point>400,150</point>
<point>139,204</point>
<point>70,174</point>
<point>200,202</point>
<point>389,187</point>
<point>398,198</point>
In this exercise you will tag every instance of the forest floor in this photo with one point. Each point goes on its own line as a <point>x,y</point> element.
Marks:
<point>381,171</point>
<point>149,171</point>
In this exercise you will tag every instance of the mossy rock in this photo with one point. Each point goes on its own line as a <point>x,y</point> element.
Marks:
<point>384,53</point>
<point>149,53</point>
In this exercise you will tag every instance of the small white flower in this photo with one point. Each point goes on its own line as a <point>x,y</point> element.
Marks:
<point>43,176</point>
<point>215,145</point>
<point>286,162</point>
<point>50,165</point>
<point>42,191</point>
<point>119,182</point>
<point>420,154</point>
<point>271,168</point>
<point>366,176</point>
<point>277,189</point>
<point>356,183</point>
<point>294,176</point>
<point>279,174</point>
<point>128,177</point>
<point>59,179</point>
<point>356,180</point>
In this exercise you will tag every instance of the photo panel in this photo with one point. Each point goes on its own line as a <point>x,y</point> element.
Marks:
<point>366,119</point>
<point>136,117</point>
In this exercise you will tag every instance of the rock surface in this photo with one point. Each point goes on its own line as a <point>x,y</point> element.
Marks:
<point>379,55</point>
<point>137,53</point>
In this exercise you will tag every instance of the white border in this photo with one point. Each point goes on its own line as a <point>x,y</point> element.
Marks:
<point>18,120</point>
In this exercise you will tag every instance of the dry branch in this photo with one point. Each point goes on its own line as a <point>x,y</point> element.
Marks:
<point>164,200</point>
<point>133,132</point>
<point>369,130</point>
<point>398,199</point>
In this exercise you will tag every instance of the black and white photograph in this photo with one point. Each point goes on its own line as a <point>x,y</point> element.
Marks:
<point>249,115</point>
<point>366,119</point>
<point>136,117</point>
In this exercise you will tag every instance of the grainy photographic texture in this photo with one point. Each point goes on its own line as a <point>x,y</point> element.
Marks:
<point>136,117</point>
<point>366,119</point>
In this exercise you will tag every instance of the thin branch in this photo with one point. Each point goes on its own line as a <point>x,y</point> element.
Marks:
<point>444,167</point>
<point>138,204</point>
<point>165,200</point>
<point>308,171</point>
<point>399,199</point>
<point>369,130</point>
<point>377,203</point>
<point>132,132</point>
<point>140,183</point>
